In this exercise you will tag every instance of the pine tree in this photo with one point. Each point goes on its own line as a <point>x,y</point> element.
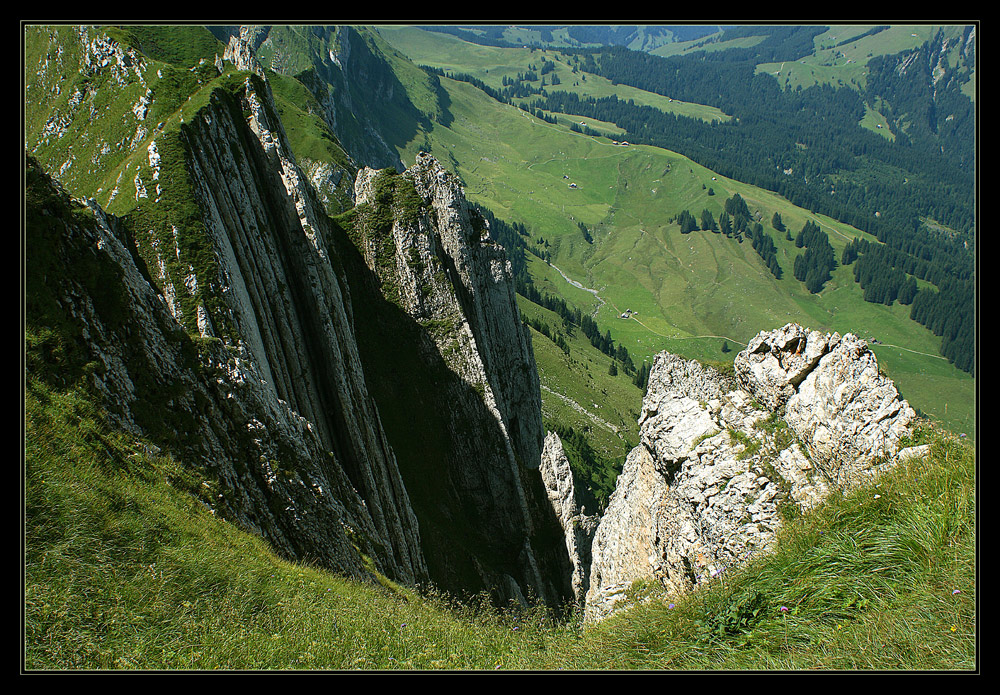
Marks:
<point>725,224</point>
<point>707,221</point>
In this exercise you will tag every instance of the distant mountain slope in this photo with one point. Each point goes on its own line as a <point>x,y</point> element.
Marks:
<point>519,163</point>
<point>637,37</point>
<point>375,100</point>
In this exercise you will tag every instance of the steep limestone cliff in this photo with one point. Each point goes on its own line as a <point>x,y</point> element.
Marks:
<point>448,272</point>
<point>434,263</point>
<point>106,328</point>
<point>577,526</point>
<point>224,316</point>
<point>723,461</point>
<point>243,262</point>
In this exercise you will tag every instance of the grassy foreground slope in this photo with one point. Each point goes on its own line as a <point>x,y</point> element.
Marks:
<point>125,569</point>
<point>691,292</point>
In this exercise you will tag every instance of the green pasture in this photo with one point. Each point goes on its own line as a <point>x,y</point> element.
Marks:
<point>690,292</point>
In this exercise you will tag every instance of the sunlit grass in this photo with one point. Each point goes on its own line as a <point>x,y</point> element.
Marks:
<point>126,569</point>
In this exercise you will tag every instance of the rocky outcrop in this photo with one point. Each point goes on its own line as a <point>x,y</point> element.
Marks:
<point>240,51</point>
<point>774,364</point>
<point>237,327</point>
<point>723,461</point>
<point>848,415</point>
<point>435,262</point>
<point>577,525</point>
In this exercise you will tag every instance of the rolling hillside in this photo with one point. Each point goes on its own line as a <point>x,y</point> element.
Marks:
<point>690,292</point>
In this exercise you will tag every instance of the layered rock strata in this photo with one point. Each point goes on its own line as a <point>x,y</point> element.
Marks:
<point>236,326</point>
<point>723,460</point>
<point>264,466</point>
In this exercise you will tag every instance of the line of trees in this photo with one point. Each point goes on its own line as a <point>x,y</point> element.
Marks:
<point>574,318</point>
<point>949,313</point>
<point>881,281</point>
<point>887,274</point>
<point>735,222</point>
<point>763,244</point>
<point>813,267</point>
<point>555,336</point>
<point>687,222</point>
<point>641,378</point>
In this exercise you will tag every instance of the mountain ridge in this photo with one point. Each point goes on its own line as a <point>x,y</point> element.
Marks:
<point>278,325</point>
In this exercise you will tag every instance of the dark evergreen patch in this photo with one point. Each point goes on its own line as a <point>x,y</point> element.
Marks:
<point>813,267</point>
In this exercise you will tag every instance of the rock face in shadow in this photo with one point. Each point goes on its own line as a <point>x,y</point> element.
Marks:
<point>435,264</point>
<point>724,460</point>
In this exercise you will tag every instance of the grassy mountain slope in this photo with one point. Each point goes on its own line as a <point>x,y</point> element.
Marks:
<point>492,64</point>
<point>124,569</point>
<point>691,292</point>
<point>841,53</point>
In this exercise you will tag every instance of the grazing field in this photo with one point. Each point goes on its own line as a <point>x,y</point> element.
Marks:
<point>691,291</point>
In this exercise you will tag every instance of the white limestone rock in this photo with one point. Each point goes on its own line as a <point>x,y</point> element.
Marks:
<point>848,415</point>
<point>719,466</point>
<point>774,363</point>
